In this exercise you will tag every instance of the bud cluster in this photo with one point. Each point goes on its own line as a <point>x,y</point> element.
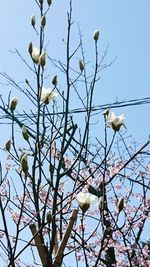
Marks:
<point>36,56</point>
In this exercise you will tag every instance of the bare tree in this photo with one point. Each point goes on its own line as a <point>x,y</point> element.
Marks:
<point>69,197</point>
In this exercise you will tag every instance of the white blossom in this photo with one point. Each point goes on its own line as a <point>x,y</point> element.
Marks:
<point>35,54</point>
<point>115,122</point>
<point>47,94</point>
<point>84,200</point>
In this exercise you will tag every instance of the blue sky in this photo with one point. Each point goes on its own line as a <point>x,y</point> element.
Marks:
<point>125,25</point>
<point>122,24</point>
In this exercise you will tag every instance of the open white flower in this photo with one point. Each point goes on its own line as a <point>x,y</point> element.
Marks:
<point>115,122</point>
<point>35,54</point>
<point>47,94</point>
<point>84,200</point>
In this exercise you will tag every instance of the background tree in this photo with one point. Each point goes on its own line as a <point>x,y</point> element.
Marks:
<point>74,198</point>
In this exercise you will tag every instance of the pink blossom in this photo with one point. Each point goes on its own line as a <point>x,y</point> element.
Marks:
<point>8,166</point>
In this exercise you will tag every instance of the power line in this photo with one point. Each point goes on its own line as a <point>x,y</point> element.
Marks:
<point>98,108</point>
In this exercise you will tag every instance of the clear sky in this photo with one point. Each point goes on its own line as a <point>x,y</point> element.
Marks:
<point>122,24</point>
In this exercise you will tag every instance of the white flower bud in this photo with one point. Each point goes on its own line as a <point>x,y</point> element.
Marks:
<point>105,112</point>
<point>101,203</point>
<point>8,145</point>
<point>42,61</point>
<point>43,21</point>
<point>49,217</point>
<point>33,21</point>
<point>24,163</point>
<point>30,48</point>
<point>96,35</point>
<point>81,66</point>
<point>21,155</point>
<point>49,2</point>
<point>25,133</point>
<point>120,204</point>
<point>13,104</point>
<point>54,80</point>
<point>26,81</point>
<point>35,54</point>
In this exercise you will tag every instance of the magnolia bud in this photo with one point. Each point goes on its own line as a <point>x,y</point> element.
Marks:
<point>120,204</point>
<point>8,145</point>
<point>33,21</point>
<point>105,112</point>
<point>49,217</point>
<point>43,21</point>
<point>24,163</point>
<point>49,2</point>
<point>26,81</point>
<point>30,48</point>
<point>21,156</point>
<point>51,168</point>
<point>35,55</point>
<point>13,104</point>
<point>41,1</point>
<point>101,203</point>
<point>54,80</point>
<point>81,66</point>
<point>42,61</point>
<point>96,35</point>
<point>25,133</point>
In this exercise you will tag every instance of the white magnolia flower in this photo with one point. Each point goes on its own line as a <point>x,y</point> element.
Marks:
<point>115,122</point>
<point>35,54</point>
<point>84,200</point>
<point>47,94</point>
